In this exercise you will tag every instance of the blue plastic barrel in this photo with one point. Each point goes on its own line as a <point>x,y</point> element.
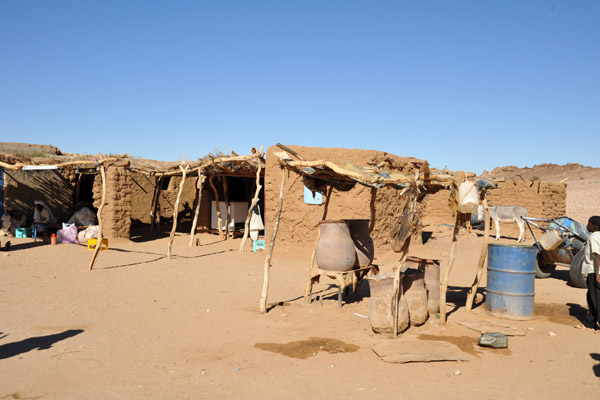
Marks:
<point>510,281</point>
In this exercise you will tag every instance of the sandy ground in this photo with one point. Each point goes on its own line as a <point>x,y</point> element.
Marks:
<point>141,326</point>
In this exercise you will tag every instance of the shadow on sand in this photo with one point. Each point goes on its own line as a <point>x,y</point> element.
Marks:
<point>40,343</point>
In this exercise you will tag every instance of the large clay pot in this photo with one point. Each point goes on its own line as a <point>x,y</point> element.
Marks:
<point>413,283</point>
<point>380,304</point>
<point>431,269</point>
<point>363,244</point>
<point>335,248</point>
<point>432,284</point>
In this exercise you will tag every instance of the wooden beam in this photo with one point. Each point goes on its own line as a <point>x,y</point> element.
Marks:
<point>100,219</point>
<point>217,206</point>
<point>18,166</point>
<point>292,152</point>
<point>154,206</point>
<point>176,209</point>
<point>482,256</point>
<point>265,291</point>
<point>252,205</point>
<point>446,268</point>
<point>228,207</point>
<point>441,178</point>
<point>199,186</point>
<point>396,290</point>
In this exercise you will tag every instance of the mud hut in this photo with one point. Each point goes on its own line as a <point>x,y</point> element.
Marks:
<point>364,182</point>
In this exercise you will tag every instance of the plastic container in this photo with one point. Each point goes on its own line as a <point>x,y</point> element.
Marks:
<point>258,244</point>
<point>495,340</point>
<point>551,240</point>
<point>468,199</point>
<point>510,281</point>
<point>53,239</point>
<point>22,232</point>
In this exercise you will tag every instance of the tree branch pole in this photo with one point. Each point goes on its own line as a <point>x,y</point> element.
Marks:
<point>433,178</point>
<point>228,207</point>
<point>314,253</point>
<point>447,267</point>
<point>176,209</point>
<point>482,255</point>
<point>100,219</point>
<point>153,207</point>
<point>397,284</point>
<point>372,208</point>
<point>252,205</point>
<point>199,186</point>
<point>412,203</point>
<point>18,166</point>
<point>217,206</point>
<point>263,299</point>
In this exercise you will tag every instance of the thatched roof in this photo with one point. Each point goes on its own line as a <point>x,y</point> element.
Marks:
<point>219,164</point>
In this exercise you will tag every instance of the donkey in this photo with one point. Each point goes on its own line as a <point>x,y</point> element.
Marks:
<point>509,214</point>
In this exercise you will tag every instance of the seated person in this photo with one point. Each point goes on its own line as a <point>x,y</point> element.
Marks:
<point>83,216</point>
<point>11,221</point>
<point>42,214</point>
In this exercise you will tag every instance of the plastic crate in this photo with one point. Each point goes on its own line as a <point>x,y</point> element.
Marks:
<point>23,232</point>
<point>258,244</point>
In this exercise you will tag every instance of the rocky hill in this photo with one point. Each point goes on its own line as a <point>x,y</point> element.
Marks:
<point>545,172</point>
<point>583,184</point>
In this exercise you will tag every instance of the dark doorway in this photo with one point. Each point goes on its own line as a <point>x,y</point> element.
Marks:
<point>84,190</point>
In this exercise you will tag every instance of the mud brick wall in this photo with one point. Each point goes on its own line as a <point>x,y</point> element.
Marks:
<point>116,215</point>
<point>299,221</point>
<point>22,188</point>
<point>541,199</point>
<point>142,190</point>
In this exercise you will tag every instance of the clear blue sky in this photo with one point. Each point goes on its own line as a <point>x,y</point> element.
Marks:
<point>467,84</point>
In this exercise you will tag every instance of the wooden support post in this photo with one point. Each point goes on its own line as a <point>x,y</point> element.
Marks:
<point>228,206</point>
<point>217,206</point>
<point>154,209</point>
<point>396,296</point>
<point>252,205</point>
<point>372,207</point>
<point>199,186</point>
<point>482,256</point>
<point>446,268</point>
<point>309,284</point>
<point>265,291</point>
<point>176,209</point>
<point>100,220</point>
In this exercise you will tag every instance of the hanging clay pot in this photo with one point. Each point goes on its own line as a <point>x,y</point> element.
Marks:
<point>335,248</point>
<point>363,244</point>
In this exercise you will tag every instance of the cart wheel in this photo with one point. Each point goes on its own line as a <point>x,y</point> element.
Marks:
<point>543,270</point>
<point>577,278</point>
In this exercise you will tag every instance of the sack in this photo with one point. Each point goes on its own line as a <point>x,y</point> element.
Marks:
<point>468,198</point>
<point>256,224</point>
<point>91,232</point>
<point>68,234</point>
